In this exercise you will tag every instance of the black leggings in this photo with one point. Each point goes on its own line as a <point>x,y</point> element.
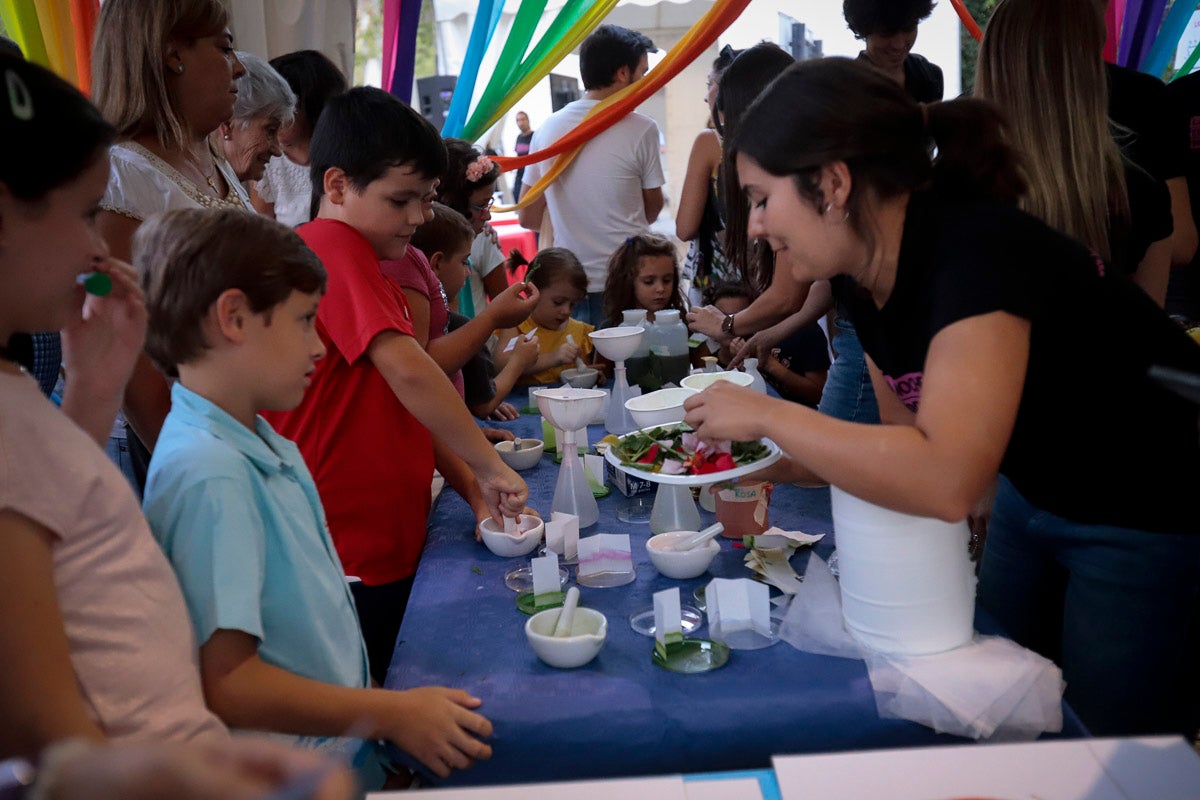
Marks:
<point>380,611</point>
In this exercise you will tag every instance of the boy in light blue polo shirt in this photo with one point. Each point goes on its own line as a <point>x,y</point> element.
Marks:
<point>232,300</point>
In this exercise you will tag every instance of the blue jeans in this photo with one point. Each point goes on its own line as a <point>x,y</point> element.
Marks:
<point>848,393</point>
<point>1114,607</point>
<point>117,451</point>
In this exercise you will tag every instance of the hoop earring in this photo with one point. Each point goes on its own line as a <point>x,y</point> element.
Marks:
<point>829,207</point>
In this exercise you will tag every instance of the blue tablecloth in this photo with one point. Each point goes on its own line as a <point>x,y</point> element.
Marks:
<point>620,714</point>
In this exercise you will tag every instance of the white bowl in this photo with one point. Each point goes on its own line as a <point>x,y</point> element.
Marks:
<point>617,344</point>
<point>680,564</point>
<point>507,546</point>
<point>521,453</point>
<point>702,380</point>
<point>580,378</point>
<point>658,408</point>
<point>588,629</point>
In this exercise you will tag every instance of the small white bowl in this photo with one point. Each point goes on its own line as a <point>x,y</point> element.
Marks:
<point>662,407</point>
<point>580,378</point>
<point>588,629</point>
<point>507,546</point>
<point>680,564</point>
<point>702,380</point>
<point>521,453</point>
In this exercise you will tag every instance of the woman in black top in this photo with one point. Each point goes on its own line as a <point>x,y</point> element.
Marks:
<point>889,30</point>
<point>981,328</point>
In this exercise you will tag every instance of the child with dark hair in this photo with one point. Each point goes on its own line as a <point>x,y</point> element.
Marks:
<point>233,301</point>
<point>562,283</point>
<point>642,273</point>
<point>447,241</point>
<point>468,186</point>
<point>375,163</point>
<point>428,285</point>
<point>285,191</point>
<point>889,30</point>
<point>797,367</point>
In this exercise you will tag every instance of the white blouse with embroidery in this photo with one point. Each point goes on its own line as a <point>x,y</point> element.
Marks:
<point>140,184</point>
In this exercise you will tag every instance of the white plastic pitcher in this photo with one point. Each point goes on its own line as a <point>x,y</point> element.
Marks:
<point>907,583</point>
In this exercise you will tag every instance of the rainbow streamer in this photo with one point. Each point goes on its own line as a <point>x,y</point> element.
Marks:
<point>1155,62</point>
<point>391,27</point>
<point>54,18</point>
<point>616,106</point>
<point>967,20</point>
<point>487,17</point>
<point>84,14</point>
<point>399,81</point>
<point>1113,17</point>
<point>514,76</point>
<point>21,20</point>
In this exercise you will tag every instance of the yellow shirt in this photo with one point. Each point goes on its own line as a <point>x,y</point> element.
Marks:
<point>549,341</point>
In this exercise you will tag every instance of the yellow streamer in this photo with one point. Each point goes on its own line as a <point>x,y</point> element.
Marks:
<point>563,160</point>
<point>54,18</point>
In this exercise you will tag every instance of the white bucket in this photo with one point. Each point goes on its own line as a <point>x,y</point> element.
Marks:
<point>907,583</point>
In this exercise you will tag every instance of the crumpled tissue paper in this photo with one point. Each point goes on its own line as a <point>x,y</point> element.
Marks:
<point>990,688</point>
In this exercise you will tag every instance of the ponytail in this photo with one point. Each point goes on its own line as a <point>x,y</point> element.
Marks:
<point>835,109</point>
<point>973,156</point>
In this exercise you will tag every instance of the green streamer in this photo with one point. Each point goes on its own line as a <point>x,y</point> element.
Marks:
<point>507,65</point>
<point>574,21</point>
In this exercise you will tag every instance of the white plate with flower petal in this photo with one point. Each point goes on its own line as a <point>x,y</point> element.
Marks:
<point>773,455</point>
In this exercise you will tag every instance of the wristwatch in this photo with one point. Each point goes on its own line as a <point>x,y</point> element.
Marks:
<point>727,324</point>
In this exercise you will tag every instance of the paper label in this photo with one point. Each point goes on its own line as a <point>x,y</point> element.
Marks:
<point>605,552</point>
<point>668,624</point>
<point>545,575</point>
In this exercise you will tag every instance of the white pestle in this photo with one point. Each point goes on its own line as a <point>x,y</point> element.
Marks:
<point>578,361</point>
<point>511,527</point>
<point>562,628</point>
<point>700,538</point>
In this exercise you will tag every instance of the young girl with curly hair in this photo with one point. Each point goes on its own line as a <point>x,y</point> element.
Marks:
<point>642,273</point>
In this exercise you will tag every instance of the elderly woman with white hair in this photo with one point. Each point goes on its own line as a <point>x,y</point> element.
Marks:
<point>265,103</point>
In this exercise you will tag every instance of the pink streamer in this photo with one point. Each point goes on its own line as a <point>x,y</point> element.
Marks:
<point>391,30</point>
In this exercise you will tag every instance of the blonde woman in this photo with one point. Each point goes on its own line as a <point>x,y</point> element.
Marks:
<point>166,77</point>
<point>1041,63</point>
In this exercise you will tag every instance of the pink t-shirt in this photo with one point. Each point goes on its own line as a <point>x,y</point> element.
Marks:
<point>130,637</point>
<point>413,272</point>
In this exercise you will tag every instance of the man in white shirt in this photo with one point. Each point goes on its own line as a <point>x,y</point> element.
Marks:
<point>613,189</point>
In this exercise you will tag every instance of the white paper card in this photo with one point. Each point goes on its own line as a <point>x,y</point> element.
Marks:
<point>668,625</point>
<point>513,343</point>
<point>545,573</point>
<point>738,605</point>
<point>562,535</point>
<point>670,787</point>
<point>595,467</point>
<point>605,552</point>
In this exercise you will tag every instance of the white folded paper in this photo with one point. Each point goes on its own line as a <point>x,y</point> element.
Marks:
<point>513,341</point>
<point>545,574</point>
<point>562,534</point>
<point>739,611</point>
<point>604,553</point>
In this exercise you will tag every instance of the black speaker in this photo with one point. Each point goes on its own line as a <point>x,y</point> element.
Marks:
<point>563,90</point>
<point>434,94</point>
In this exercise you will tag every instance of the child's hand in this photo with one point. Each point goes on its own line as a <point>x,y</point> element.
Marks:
<point>506,412</point>
<point>495,435</point>
<point>525,352</point>
<point>101,347</point>
<point>513,306</point>
<point>503,491</point>
<point>566,353</point>
<point>434,725</point>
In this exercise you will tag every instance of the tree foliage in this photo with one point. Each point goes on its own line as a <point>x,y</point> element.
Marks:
<point>981,10</point>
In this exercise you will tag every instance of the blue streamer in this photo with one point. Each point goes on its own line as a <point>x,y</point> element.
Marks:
<point>1155,62</point>
<point>487,17</point>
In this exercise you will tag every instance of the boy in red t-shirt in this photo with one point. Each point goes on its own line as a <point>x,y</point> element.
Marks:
<point>365,425</point>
